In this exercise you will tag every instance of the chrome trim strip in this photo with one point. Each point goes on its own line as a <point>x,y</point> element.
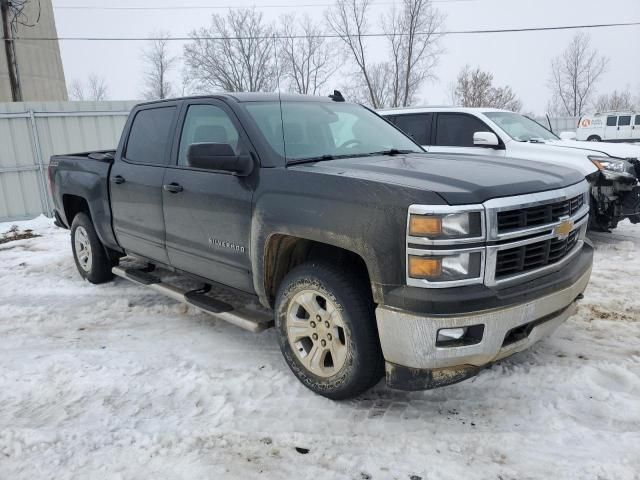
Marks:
<point>443,210</point>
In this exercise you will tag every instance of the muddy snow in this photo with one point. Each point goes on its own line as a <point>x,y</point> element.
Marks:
<point>118,382</point>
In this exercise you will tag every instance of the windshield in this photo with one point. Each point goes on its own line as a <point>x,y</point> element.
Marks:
<point>323,130</point>
<point>520,128</point>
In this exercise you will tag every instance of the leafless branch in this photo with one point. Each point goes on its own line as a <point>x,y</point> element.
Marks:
<point>158,62</point>
<point>241,61</point>
<point>574,75</point>
<point>474,88</point>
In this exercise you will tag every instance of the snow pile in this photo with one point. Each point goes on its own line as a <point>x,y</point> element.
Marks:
<point>117,382</point>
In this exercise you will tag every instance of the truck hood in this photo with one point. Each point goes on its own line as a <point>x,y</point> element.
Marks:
<point>619,150</point>
<point>458,179</point>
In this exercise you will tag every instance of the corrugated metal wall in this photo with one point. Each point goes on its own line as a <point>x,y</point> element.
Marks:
<point>31,132</point>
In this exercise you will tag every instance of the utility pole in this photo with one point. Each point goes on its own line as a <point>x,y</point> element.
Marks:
<point>10,50</point>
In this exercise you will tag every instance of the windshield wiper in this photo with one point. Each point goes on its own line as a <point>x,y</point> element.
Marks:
<point>320,158</point>
<point>391,152</point>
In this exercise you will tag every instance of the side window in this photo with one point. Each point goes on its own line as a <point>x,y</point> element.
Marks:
<point>611,121</point>
<point>150,135</point>
<point>637,122</point>
<point>417,126</point>
<point>456,129</point>
<point>625,120</point>
<point>206,124</point>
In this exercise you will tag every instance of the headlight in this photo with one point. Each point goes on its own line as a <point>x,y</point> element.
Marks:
<point>444,226</point>
<point>611,164</point>
<point>445,267</point>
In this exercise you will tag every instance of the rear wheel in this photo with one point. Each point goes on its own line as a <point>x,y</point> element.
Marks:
<point>327,332</point>
<point>594,138</point>
<point>90,256</point>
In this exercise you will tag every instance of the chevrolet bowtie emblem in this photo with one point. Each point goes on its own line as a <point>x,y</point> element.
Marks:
<point>563,229</point>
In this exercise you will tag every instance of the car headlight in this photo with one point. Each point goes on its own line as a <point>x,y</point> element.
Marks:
<point>611,164</point>
<point>445,267</point>
<point>444,226</point>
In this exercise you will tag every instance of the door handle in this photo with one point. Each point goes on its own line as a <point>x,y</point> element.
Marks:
<point>117,179</point>
<point>173,187</point>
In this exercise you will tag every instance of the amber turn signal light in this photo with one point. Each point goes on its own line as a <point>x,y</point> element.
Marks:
<point>424,267</point>
<point>424,225</point>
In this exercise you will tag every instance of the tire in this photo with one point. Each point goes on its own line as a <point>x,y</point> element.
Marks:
<point>594,138</point>
<point>90,256</point>
<point>311,295</point>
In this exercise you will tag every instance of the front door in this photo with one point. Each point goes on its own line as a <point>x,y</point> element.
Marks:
<point>208,213</point>
<point>135,182</point>
<point>454,134</point>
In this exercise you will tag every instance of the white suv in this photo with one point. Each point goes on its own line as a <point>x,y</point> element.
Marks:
<point>609,127</point>
<point>612,169</point>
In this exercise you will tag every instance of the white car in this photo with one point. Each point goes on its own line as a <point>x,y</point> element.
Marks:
<point>609,127</point>
<point>611,169</point>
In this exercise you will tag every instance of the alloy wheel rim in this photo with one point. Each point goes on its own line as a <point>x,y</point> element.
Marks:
<point>83,248</point>
<point>316,333</point>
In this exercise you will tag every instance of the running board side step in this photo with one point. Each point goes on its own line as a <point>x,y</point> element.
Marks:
<point>246,318</point>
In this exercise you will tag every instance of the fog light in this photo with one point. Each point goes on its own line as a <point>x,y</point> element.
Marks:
<point>448,334</point>
<point>460,336</point>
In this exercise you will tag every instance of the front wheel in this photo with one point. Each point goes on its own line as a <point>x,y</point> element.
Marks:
<point>91,258</point>
<point>327,331</point>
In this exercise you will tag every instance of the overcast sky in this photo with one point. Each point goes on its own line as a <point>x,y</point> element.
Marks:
<point>520,60</point>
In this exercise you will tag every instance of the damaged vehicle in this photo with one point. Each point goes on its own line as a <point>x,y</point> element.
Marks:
<point>612,170</point>
<point>319,218</point>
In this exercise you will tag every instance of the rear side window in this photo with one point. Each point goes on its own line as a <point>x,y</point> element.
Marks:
<point>637,120</point>
<point>150,135</point>
<point>417,126</point>
<point>611,121</point>
<point>456,130</point>
<point>624,121</point>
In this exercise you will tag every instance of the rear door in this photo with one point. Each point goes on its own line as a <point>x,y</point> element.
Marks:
<point>208,220</point>
<point>416,125</point>
<point>454,134</point>
<point>624,127</point>
<point>136,181</point>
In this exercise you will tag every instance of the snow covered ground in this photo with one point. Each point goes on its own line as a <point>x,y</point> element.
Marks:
<point>117,382</point>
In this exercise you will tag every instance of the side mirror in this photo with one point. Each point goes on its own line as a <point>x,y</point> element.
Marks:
<point>567,135</point>
<point>486,139</point>
<point>219,156</point>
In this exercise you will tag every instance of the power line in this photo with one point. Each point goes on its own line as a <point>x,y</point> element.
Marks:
<point>330,35</point>
<point>215,7</point>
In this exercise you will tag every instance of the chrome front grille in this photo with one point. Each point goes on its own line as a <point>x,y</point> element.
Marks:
<point>533,255</point>
<point>539,214</point>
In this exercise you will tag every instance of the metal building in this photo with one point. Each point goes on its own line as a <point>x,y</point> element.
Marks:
<point>31,132</point>
<point>40,73</point>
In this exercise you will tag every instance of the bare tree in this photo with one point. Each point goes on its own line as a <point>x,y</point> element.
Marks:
<point>308,59</point>
<point>158,62</point>
<point>474,88</point>
<point>574,75</point>
<point>412,36</point>
<point>95,90</point>
<point>412,32</point>
<point>238,59</point>
<point>76,91</point>
<point>616,100</point>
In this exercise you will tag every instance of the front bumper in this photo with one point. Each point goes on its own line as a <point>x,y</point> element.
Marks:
<point>414,362</point>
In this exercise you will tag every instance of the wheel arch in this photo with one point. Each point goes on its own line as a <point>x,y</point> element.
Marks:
<point>283,252</point>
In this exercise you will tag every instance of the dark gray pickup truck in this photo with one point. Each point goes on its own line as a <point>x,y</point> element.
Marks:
<point>369,253</point>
